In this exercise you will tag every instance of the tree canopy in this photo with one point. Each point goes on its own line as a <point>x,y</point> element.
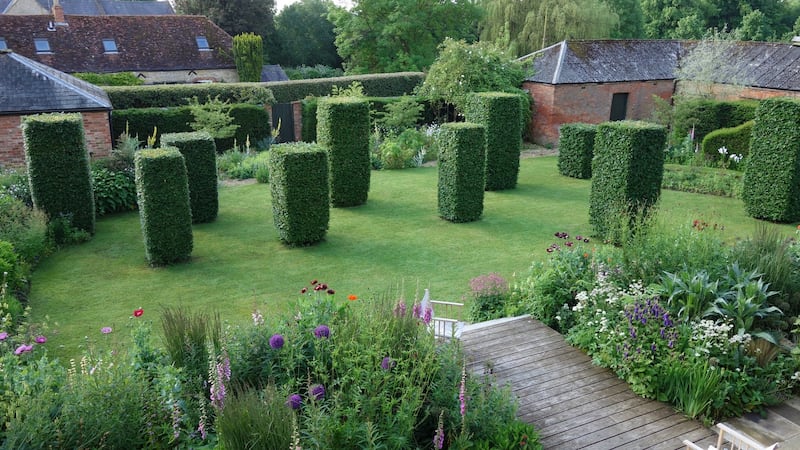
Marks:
<point>234,16</point>
<point>304,35</point>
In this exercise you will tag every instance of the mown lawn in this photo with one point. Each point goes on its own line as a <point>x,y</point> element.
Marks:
<point>394,241</point>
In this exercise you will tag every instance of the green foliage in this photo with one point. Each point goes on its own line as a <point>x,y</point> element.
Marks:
<point>693,387</point>
<point>110,79</point>
<point>114,191</point>
<point>703,180</point>
<point>343,128</point>
<point>163,196</point>
<point>235,17</point>
<point>408,149</point>
<point>200,155</point>
<point>462,162</point>
<point>255,419</point>
<point>25,228</point>
<point>488,295</point>
<point>248,53</point>
<point>399,115</point>
<point>772,178</point>
<point>300,192</point>
<point>58,167</point>
<point>576,149</point>
<point>744,301</point>
<point>11,273</point>
<point>735,140</point>
<point>704,116</point>
<point>375,85</point>
<point>499,113</point>
<point>213,117</point>
<point>627,171</point>
<point>171,95</point>
<point>305,37</point>
<point>312,72</point>
<point>241,165</point>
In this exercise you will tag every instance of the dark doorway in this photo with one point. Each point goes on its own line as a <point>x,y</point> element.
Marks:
<point>619,106</point>
<point>283,112</point>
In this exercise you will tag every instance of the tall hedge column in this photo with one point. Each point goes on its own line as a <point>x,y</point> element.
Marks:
<point>499,113</point>
<point>576,149</point>
<point>343,128</point>
<point>300,192</point>
<point>58,167</point>
<point>200,155</point>
<point>627,172</point>
<point>462,159</point>
<point>772,178</point>
<point>162,191</point>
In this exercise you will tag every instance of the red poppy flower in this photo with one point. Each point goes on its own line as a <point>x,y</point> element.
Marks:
<point>138,312</point>
<point>352,297</point>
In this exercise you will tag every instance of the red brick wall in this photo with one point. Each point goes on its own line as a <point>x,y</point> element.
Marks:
<point>589,103</point>
<point>729,92</point>
<point>96,129</point>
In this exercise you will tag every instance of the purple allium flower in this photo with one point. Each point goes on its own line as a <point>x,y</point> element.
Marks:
<point>276,341</point>
<point>294,401</point>
<point>322,331</point>
<point>387,363</point>
<point>318,391</point>
<point>3,336</point>
<point>40,339</point>
<point>24,348</point>
<point>106,330</point>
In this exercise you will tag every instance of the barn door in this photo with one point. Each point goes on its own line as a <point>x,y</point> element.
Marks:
<point>619,106</point>
<point>283,112</point>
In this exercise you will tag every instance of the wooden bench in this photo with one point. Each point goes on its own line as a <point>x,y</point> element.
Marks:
<point>446,321</point>
<point>730,439</point>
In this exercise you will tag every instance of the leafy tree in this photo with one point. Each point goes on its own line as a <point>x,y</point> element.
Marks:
<point>631,19</point>
<point>234,16</point>
<point>706,61</point>
<point>394,35</point>
<point>689,27</point>
<point>248,52</point>
<point>661,17</point>
<point>213,117</point>
<point>304,35</point>
<point>755,27</point>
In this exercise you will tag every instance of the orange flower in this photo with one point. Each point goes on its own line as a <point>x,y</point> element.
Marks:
<point>352,297</point>
<point>585,255</point>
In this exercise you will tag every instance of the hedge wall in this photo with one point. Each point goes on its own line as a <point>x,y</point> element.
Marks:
<point>343,129</point>
<point>736,140</point>
<point>576,149</point>
<point>300,192</point>
<point>627,171</point>
<point>253,121</point>
<point>462,161</point>
<point>499,113</point>
<point>58,167</point>
<point>170,95</point>
<point>375,85</point>
<point>200,155</point>
<point>709,115</point>
<point>772,177</point>
<point>162,191</point>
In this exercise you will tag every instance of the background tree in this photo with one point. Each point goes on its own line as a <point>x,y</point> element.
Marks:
<point>248,52</point>
<point>631,19</point>
<point>661,17</point>
<point>304,35</point>
<point>234,16</point>
<point>394,35</point>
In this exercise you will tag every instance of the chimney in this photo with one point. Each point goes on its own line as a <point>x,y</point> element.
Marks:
<point>58,14</point>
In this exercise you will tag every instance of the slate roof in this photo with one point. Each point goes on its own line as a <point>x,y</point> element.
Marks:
<point>102,7</point>
<point>273,72</point>
<point>144,43</point>
<point>29,87</point>
<point>771,65</point>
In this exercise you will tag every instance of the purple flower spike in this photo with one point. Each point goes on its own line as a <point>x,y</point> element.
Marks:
<point>322,331</point>
<point>294,401</point>
<point>387,363</point>
<point>318,391</point>
<point>276,341</point>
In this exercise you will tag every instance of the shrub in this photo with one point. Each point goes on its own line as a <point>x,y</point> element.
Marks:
<point>704,116</point>
<point>255,419</point>
<point>114,191</point>
<point>163,197</point>
<point>25,228</point>
<point>703,180</point>
<point>241,165</point>
<point>405,150</point>
<point>462,161</point>
<point>300,192</point>
<point>626,173</point>
<point>375,85</point>
<point>576,149</point>
<point>58,167</point>
<point>735,140</point>
<point>248,53</point>
<point>110,79</point>
<point>312,72</point>
<point>499,113</point>
<point>200,154</point>
<point>10,271</point>
<point>16,184</point>
<point>343,128</point>
<point>488,294</point>
<point>771,180</point>
<point>172,95</point>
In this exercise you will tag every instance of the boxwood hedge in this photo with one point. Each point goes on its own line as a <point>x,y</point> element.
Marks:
<point>709,115</point>
<point>462,161</point>
<point>499,113</point>
<point>736,140</point>
<point>200,155</point>
<point>772,177</point>
<point>300,192</point>
<point>171,95</point>
<point>375,85</point>
<point>163,195</point>
<point>576,149</point>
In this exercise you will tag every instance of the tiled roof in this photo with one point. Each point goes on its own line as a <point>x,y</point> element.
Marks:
<point>770,65</point>
<point>144,43</point>
<point>103,7</point>
<point>273,72</point>
<point>29,87</point>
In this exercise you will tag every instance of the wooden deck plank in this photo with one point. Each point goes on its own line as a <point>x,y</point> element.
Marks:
<point>596,435</point>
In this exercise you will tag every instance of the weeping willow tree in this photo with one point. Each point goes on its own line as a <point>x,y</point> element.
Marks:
<point>524,26</point>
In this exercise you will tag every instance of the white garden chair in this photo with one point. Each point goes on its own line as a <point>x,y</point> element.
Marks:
<point>730,439</point>
<point>446,319</point>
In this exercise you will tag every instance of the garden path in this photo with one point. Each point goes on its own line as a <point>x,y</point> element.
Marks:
<point>572,403</point>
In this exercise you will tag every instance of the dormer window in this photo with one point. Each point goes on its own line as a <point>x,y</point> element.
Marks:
<point>3,45</point>
<point>202,44</point>
<point>42,45</point>
<point>110,46</point>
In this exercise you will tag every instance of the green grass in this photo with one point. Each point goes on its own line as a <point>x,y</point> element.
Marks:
<point>396,239</point>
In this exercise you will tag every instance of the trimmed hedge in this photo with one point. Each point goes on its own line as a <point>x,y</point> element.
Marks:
<point>343,128</point>
<point>462,172</point>
<point>709,115</point>
<point>58,167</point>
<point>171,95</point>
<point>772,177</point>
<point>736,140</point>
<point>576,149</point>
<point>499,113</point>
<point>162,190</point>
<point>300,192</point>
<point>627,171</point>
<point>253,121</point>
<point>200,155</point>
<point>375,85</point>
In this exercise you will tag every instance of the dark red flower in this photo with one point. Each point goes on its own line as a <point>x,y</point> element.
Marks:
<point>331,292</point>
<point>138,312</point>
<point>314,282</point>
<point>303,291</point>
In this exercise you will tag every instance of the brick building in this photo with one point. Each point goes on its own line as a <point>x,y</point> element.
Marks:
<point>27,87</point>
<point>600,80</point>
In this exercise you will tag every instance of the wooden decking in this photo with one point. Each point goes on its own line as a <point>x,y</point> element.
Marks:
<point>572,403</point>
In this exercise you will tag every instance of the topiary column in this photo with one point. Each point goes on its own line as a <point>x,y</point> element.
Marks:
<point>499,113</point>
<point>462,159</point>
<point>58,167</point>
<point>200,155</point>
<point>300,192</point>
<point>343,129</point>
<point>771,188</point>
<point>627,173</point>
<point>576,149</point>
<point>162,191</point>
